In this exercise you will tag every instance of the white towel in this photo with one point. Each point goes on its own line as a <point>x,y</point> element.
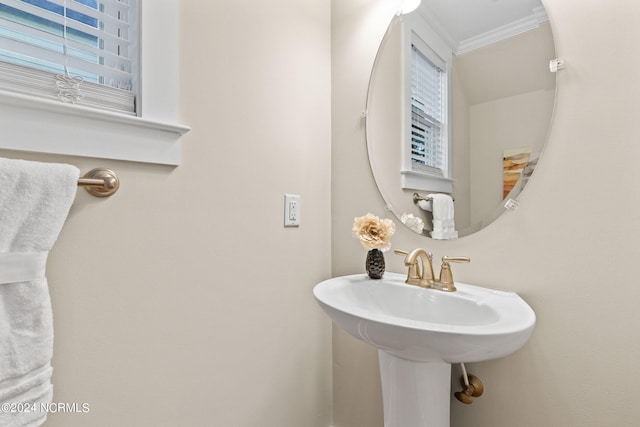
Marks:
<point>425,205</point>
<point>35,199</point>
<point>443,217</point>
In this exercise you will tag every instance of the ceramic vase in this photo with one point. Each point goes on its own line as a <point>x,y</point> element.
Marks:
<point>375,263</point>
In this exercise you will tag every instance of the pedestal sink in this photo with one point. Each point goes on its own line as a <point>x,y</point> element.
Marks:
<point>420,332</point>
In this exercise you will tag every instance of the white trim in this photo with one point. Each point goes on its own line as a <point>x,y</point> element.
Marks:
<point>32,124</point>
<point>160,61</point>
<point>47,126</point>
<point>66,111</point>
<point>418,181</point>
<point>512,29</point>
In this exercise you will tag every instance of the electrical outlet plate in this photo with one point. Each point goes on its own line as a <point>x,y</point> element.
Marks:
<point>291,210</point>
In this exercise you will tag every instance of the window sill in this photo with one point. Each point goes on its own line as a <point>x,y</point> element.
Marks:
<point>418,181</point>
<point>33,124</point>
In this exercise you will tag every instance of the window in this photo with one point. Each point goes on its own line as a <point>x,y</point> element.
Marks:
<point>426,149</point>
<point>77,51</point>
<point>100,77</point>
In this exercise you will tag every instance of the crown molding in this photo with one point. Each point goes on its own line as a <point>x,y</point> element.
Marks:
<point>512,29</point>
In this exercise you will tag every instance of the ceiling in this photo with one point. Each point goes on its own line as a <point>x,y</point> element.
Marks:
<point>460,21</point>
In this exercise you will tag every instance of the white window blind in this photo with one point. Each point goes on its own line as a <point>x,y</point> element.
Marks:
<point>428,147</point>
<point>77,51</point>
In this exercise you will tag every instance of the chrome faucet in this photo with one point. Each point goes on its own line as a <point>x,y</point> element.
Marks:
<point>421,274</point>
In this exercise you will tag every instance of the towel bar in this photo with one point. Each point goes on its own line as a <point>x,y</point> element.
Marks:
<point>100,182</point>
<point>417,197</point>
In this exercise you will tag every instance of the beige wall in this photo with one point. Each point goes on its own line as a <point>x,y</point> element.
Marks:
<point>519,121</point>
<point>182,300</point>
<point>569,249</point>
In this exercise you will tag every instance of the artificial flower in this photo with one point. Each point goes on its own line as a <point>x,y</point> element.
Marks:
<point>373,232</point>
<point>412,222</point>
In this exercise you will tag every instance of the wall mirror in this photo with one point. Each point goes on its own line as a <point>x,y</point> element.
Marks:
<point>499,102</point>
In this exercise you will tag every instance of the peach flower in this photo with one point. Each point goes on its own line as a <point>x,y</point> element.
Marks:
<point>373,232</point>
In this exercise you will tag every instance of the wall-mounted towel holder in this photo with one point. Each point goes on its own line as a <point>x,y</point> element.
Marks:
<point>417,197</point>
<point>100,182</point>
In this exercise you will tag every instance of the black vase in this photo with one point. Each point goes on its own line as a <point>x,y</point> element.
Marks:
<point>375,263</point>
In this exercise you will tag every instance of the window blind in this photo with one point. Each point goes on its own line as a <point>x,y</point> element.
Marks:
<point>428,150</point>
<point>79,51</point>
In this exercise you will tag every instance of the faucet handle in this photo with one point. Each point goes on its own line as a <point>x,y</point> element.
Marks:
<point>446,276</point>
<point>456,259</point>
<point>414,274</point>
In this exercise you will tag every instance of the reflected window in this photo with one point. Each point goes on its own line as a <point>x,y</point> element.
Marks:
<point>426,151</point>
<point>428,91</point>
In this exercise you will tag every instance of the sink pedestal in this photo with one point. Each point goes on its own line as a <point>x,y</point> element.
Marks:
<point>415,394</point>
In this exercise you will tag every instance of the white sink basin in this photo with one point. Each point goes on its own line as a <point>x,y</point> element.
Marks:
<point>472,324</point>
<point>420,333</point>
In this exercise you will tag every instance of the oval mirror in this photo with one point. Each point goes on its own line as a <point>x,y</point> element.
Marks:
<point>460,102</point>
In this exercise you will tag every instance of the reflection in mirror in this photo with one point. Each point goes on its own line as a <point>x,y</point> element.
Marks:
<point>497,102</point>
